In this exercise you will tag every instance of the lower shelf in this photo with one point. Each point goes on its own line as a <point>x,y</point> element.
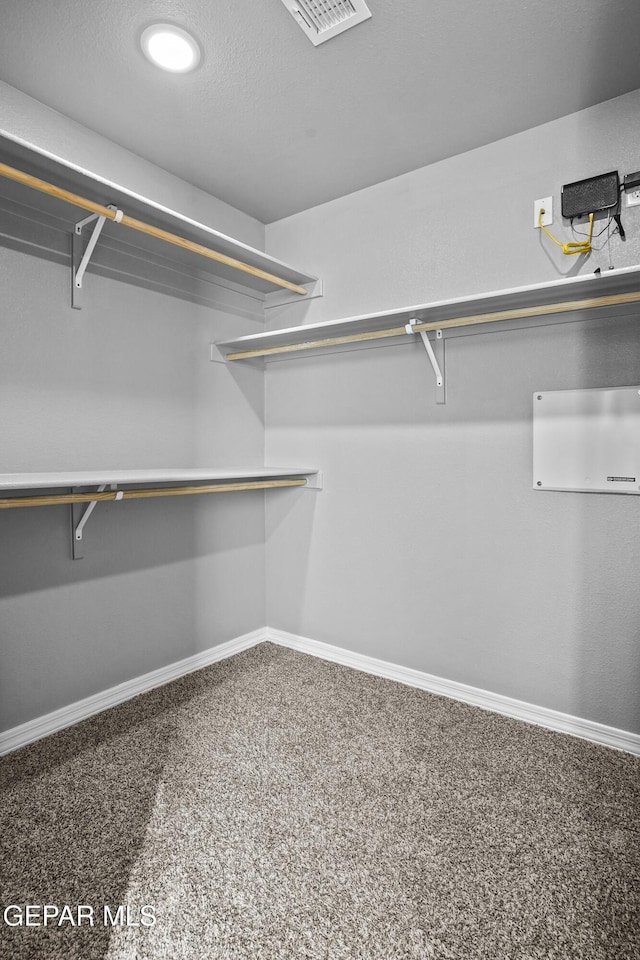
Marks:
<point>137,484</point>
<point>92,478</point>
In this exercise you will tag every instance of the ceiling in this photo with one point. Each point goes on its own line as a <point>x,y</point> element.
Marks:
<point>274,125</point>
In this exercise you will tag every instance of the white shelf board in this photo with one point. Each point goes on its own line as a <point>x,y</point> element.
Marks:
<point>63,173</point>
<point>584,287</point>
<point>94,478</point>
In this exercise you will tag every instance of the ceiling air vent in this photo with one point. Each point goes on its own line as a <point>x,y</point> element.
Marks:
<point>323,19</point>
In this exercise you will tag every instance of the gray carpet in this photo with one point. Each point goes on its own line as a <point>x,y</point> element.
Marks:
<point>276,806</point>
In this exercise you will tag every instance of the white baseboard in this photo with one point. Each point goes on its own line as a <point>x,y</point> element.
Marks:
<point>82,709</point>
<point>497,703</point>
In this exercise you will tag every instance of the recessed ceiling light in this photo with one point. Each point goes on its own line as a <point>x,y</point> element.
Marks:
<point>170,47</point>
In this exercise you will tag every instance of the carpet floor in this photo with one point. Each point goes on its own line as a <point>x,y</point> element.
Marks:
<point>275,806</point>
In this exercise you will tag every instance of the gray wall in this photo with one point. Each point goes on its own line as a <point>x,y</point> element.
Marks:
<point>125,383</point>
<point>429,547</point>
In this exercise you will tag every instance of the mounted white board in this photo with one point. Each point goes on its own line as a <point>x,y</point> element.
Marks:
<point>587,440</point>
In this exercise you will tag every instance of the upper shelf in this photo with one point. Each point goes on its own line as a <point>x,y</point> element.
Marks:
<point>26,202</point>
<point>610,293</point>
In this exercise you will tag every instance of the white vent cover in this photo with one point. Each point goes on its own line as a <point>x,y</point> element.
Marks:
<point>323,19</point>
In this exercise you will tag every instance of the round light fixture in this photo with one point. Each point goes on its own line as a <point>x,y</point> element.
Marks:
<point>170,47</point>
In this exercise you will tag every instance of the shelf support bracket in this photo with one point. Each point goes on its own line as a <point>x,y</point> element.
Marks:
<point>315,481</point>
<point>81,258</point>
<point>436,357</point>
<point>78,522</point>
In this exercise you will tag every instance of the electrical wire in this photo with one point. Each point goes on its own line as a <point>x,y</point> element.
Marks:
<point>607,241</point>
<point>579,233</point>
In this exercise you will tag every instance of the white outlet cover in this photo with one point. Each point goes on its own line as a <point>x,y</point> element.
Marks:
<point>545,203</point>
<point>633,198</point>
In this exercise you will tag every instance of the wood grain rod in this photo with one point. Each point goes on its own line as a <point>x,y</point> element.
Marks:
<point>52,499</point>
<point>566,306</point>
<point>36,184</point>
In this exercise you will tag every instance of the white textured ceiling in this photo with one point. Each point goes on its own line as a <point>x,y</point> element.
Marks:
<point>273,125</point>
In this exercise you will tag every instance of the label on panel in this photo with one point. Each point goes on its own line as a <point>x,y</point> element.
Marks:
<point>587,440</point>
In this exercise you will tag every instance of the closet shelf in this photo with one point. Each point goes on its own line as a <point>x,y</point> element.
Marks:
<point>133,483</point>
<point>36,184</point>
<point>136,484</point>
<point>613,293</point>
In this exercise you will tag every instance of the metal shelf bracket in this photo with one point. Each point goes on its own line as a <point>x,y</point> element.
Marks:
<point>80,257</point>
<point>436,357</point>
<point>78,522</point>
<point>315,481</point>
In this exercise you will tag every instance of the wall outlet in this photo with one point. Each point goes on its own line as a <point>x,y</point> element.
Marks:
<point>546,204</point>
<point>633,198</point>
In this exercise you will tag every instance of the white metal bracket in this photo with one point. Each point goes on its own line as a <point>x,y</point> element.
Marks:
<point>436,357</point>
<point>80,257</point>
<point>315,481</point>
<point>215,355</point>
<point>79,520</point>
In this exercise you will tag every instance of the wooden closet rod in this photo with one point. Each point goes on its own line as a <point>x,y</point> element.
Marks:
<point>20,177</point>
<point>56,498</point>
<point>516,314</point>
